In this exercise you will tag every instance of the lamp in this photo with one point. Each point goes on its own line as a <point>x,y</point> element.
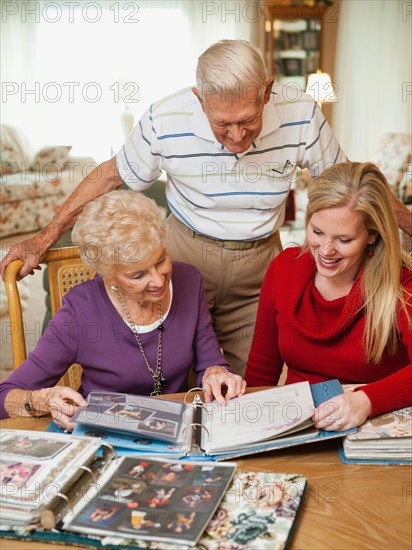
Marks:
<point>320,87</point>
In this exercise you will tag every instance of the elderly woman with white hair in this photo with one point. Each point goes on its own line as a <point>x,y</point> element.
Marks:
<point>138,327</point>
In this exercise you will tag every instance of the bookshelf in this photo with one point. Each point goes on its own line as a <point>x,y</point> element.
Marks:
<point>293,38</point>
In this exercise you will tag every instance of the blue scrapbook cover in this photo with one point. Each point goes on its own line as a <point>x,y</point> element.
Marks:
<point>377,462</point>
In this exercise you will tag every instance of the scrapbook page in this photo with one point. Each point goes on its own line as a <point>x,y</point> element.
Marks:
<point>271,419</point>
<point>151,418</point>
<point>154,500</point>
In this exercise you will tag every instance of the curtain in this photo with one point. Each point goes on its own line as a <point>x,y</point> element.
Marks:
<point>18,39</point>
<point>74,66</point>
<point>373,72</point>
<point>213,21</point>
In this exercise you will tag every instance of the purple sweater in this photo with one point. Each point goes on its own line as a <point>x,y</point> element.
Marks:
<point>87,329</point>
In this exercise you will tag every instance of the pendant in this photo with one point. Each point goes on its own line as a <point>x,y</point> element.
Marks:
<point>159,384</point>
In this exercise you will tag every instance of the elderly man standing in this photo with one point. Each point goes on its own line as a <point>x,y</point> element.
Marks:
<point>230,148</point>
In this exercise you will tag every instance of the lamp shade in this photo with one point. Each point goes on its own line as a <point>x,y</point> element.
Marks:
<point>320,87</point>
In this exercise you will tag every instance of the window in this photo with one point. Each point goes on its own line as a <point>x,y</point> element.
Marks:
<point>83,68</point>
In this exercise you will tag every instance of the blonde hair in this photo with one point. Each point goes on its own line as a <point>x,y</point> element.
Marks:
<point>231,69</point>
<point>364,189</point>
<point>118,228</point>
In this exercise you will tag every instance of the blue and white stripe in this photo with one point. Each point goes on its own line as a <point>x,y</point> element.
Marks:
<point>214,191</point>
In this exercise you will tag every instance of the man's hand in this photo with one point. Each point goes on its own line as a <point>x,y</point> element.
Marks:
<point>215,378</point>
<point>31,251</point>
<point>101,180</point>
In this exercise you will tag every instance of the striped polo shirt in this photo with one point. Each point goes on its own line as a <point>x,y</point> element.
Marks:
<point>218,193</point>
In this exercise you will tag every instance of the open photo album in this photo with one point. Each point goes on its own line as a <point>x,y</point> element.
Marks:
<point>59,481</point>
<point>57,488</point>
<point>255,422</point>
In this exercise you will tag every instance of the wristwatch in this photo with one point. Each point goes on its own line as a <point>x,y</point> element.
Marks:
<point>28,405</point>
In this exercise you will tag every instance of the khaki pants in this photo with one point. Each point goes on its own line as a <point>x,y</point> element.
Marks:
<point>233,273</point>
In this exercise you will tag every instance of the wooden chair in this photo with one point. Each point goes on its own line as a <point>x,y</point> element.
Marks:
<point>65,270</point>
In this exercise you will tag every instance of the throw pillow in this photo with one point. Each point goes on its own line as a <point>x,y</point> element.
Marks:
<point>9,160</point>
<point>56,155</point>
<point>14,150</point>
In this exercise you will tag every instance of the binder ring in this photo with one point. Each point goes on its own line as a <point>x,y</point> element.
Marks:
<point>187,393</point>
<point>109,453</point>
<point>50,518</point>
<point>64,497</point>
<point>88,470</point>
<point>200,426</point>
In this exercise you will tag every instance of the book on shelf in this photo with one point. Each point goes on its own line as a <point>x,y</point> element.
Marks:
<point>166,504</point>
<point>58,481</point>
<point>293,54</point>
<point>385,439</point>
<point>255,422</point>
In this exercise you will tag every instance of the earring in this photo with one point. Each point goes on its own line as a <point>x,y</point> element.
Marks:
<point>371,251</point>
<point>114,288</point>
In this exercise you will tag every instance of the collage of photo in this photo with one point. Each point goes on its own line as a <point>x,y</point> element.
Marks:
<point>156,500</point>
<point>23,457</point>
<point>133,414</point>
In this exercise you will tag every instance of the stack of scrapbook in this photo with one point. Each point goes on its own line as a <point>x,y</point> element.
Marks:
<point>385,439</point>
<point>256,422</point>
<point>56,488</point>
<point>37,469</point>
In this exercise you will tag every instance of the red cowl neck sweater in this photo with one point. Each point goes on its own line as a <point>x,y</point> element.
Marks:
<point>320,340</point>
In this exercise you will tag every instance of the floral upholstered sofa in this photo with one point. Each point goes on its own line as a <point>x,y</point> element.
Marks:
<point>32,187</point>
<point>394,159</point>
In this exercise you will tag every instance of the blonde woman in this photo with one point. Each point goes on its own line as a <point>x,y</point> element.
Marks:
<point>341,306</point>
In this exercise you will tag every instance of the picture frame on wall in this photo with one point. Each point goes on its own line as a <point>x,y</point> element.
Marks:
<point>279,40</point>
<point>310,40</point>
<point>292,40</point>
<point>293,66</point>
<point>311,64</point>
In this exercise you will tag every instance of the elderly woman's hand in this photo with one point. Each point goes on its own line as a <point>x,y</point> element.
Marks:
<point>59,401</point>
<point>342,412</point>
<point>217,377</point>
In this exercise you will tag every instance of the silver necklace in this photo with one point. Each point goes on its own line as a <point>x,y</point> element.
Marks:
<point>159,381</point>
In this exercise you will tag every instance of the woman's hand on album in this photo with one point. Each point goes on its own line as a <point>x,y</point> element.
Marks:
<point>342,412</point>
<point>59,401</point>
<point>217,378</point>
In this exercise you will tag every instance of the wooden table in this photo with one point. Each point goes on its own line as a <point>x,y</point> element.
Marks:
<point>345,506</point>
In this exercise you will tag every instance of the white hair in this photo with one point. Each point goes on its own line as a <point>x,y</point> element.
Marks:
<point>231,68</point>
